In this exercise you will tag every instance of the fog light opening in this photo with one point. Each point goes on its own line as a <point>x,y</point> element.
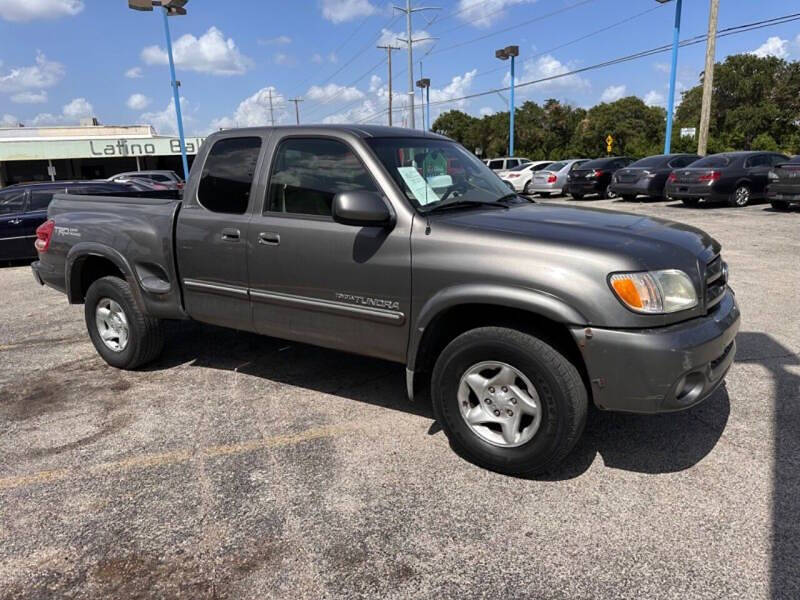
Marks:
<point>690,387</point>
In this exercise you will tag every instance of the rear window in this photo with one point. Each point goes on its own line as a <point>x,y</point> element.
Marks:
<point>557,166</point>
<point>597,163</point>
<point>649,162</point>
<point>40,199</point>
<point>228,175</point>
<point>521,167</point>
<point>541,167</point>
<point>712,162</point>
<point>795,161</point>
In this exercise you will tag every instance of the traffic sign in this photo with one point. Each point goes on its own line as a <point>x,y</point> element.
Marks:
<point>609,143</point>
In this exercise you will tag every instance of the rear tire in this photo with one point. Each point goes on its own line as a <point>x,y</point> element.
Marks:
<point>527,189</point>
<point>740,197</point>
<point>780,205</point>
<point>509,434</point>
<point>577,196</point>
<point>132,337</point>
<point>608,193</point>
<point>691,202</point>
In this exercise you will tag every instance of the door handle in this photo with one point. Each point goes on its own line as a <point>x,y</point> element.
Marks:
<point>15,221</point>
<point>231,235</point>
<point>269,238</point>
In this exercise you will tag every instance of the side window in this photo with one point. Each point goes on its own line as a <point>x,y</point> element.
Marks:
<point>307,173</point>
<point>12,201</point>
<point>759,160</point>
<point>228,174</point>
<point>40,199</point>
<point>495,164</point>
<point>511,163</point>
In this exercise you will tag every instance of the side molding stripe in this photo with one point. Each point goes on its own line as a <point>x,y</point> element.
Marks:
<point>330,306</point>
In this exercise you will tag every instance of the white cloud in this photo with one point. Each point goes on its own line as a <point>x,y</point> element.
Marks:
<point>45,73</point>
<point>483,13</point>
<point>138,102</point>
<point>662,67</point>
<point>374,84</point>
<point>134,73</point>
<point>255,111</point>
<point>654,98</point>
<point>286,60</point>
<point>29,10</point>
<point>77,108</point>
<point>165,121</point>
<point>9,121</point>
<point>71,114</point>
<point>366,109</point>
<point>486,111</point>
<point>210,53</point>
<point>459,86</point>
<point>553,71</point>
<point>30,97</point>
<point>340,11</point>
<point>316,57</point>
<point>334,91</point>
<point>391,38</point>
<point>774,46</point>
<point>281,40</point>
<point>612,93</point>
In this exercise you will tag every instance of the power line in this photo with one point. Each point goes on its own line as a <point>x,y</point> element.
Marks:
<point>698,39</point>
<point>327,100</point>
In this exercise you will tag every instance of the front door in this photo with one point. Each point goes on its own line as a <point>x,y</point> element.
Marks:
<point>315,280</point>
<point>14,239</point>
<point>212,234</point>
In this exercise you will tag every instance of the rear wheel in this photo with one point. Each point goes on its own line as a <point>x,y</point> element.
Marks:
<point>577,196</point>
<point>608,193</point>
<point>740,197</point>
<point>780,205</point>
<point>121,333</point>
<point>690,201</point>
<point>508,401</point>
<point>527,189</point>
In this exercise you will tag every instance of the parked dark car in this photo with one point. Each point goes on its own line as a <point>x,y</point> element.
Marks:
<point>737,178</point>
<point>594,177</point>
<point>783,189</point>
<point>23,207</point>
<point>648,176</point>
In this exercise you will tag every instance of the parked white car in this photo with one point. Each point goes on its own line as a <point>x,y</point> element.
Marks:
<point>505,163</point>
<point>553,179</point>
<point>520,177</point>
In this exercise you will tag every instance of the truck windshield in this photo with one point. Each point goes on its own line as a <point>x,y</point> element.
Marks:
<point>432,171</point>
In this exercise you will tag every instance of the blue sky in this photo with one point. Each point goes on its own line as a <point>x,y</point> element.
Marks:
<point>64,59</point>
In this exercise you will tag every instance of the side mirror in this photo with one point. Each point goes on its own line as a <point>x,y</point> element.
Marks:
<point>361,208</point>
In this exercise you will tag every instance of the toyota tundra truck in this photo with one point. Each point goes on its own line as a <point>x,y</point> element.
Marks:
<point>402,245</point>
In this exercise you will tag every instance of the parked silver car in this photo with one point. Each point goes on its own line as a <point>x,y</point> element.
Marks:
<point>553,179</point>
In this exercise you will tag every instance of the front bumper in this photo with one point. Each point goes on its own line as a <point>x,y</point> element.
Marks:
<point>662,369</point>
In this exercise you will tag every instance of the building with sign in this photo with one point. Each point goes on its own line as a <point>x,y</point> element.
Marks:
<point>88,151</point>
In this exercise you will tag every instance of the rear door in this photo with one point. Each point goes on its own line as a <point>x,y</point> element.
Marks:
<point>318,281</point>
<point>757,169</point>
<point>212,231</point>
<point>14,240</point>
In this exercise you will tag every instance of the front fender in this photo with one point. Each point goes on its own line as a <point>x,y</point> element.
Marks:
<point>535,302</point>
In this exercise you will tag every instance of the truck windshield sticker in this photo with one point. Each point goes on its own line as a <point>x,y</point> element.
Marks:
<point>421,189</point>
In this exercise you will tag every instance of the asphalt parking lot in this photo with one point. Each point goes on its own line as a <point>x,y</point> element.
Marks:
<point>246,467</point>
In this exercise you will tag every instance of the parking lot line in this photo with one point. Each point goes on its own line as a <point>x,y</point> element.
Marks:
<point>178,456</point>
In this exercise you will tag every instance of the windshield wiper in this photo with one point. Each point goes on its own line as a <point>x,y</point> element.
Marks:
<point>513,196</point>
<point>462,203</point>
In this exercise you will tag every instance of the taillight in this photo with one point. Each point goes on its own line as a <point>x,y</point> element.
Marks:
<point>672,178</point>
<point>43,234</point>
<point>712,176</point>
<point>551,179</point>
<point>180,185</point>
<point>597,173</point>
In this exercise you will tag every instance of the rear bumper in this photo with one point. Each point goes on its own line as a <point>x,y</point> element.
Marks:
<point>45,276</point>
<point>784,196</point>
<point>588,187</point>
<point>644,187</point>
<point>662,369</point>
<point>692,191</point>
<point>518,183</point>
<point>547,188</point>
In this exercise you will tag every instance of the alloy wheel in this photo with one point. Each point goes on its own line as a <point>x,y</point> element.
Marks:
<point>112,324</point>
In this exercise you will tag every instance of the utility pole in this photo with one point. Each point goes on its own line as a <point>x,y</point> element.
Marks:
<point>708,79</point>
<point>410,42</point>
<point>297,102</point>
<point>389,58</point>
<point>271,114</point>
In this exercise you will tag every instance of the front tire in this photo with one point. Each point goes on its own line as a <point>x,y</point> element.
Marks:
<point>508,401</point>
<point>740,197</point>
<point>122,334</point>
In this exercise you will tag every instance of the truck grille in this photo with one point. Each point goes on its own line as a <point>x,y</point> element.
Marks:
<point>716,280</point>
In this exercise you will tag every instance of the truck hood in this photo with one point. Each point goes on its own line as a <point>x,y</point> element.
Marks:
<point>652,242</point>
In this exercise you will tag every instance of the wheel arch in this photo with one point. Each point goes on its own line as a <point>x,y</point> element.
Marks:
<point>86,263</point>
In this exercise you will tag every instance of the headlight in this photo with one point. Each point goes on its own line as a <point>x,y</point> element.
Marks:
<point>772,175</point>
<point>655,292</point>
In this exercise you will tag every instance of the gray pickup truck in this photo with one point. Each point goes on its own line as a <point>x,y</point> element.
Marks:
<point>402,245</point>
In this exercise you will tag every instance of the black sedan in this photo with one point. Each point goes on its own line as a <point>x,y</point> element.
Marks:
<point>594,177</point>
<point>23,207</point>
<point>784,184</point>
<point>733,177</point>
<point>648,176</point>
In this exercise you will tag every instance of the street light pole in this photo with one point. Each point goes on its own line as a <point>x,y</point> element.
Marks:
<point>424,86</point>
<point>504,54</point>
<point>676,36</point>
<point>171,8</point>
